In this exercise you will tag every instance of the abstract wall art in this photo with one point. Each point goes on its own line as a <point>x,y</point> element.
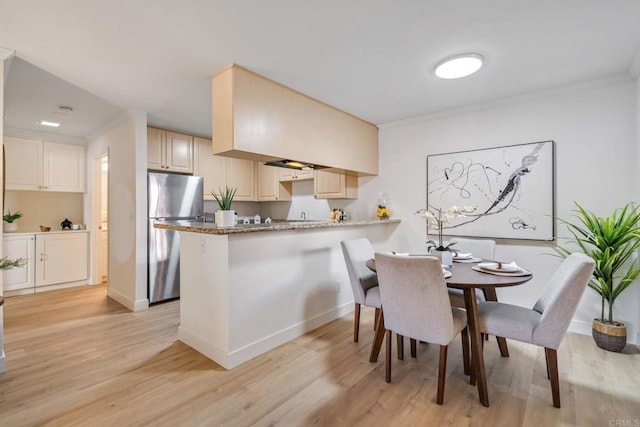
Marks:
<point>511,190</point>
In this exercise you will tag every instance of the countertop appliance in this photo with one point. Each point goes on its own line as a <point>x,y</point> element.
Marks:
<point>170,197</point>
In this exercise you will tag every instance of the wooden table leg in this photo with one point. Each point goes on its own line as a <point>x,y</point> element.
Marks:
<point>490,295</point>
<point>378,338</point>
<point>471,305</point>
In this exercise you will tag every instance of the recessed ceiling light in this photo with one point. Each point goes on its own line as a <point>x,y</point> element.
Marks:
<point>458,66</point>
<point>50,124</point>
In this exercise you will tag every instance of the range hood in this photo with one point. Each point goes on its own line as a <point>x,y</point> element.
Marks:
<point>292,164</point>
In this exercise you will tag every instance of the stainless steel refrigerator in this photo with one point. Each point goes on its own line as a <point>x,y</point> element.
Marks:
<point>170,197</point>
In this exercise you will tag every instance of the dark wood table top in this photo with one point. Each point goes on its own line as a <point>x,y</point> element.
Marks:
<point>464,276</point>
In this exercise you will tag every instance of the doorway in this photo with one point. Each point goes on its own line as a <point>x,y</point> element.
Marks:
<point>100,216</point>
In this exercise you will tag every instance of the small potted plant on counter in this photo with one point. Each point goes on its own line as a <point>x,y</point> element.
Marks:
<point>612,242</point>
<point>10,218</point>
<point>225,217</point>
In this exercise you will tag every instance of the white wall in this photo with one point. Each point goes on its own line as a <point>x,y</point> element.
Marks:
<point>126,142</point>
<point>595,129</point>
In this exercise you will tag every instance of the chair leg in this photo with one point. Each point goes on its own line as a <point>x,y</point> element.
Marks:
<point>400,340</point>
<point>546,359</point>
<point>414,350</point>
<point>441,374</point>
<point>552,355</point>
<point>387,361</point>
<point>464,336</point>
<point>356,323</point>
<point>375,319</point>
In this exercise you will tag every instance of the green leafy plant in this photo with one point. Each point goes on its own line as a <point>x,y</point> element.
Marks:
<point>11,217</point>
<point>8,263</point>
<point>224,198</point>
<point>611,242</point>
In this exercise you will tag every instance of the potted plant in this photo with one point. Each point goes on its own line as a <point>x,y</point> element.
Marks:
<point>225,217</point>
<point>612,242</point>
<point>8,263</point>
<point>440,218</point>
<point>10,219</point>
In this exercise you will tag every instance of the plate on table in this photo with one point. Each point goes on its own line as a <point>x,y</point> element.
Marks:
<point>460,256</point>
<point>500,267</point>
<point>446,273</point>
<point>473,259</point>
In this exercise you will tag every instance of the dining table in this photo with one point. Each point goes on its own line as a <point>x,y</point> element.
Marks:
<point>468,277</point>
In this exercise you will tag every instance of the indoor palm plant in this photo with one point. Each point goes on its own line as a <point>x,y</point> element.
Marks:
<point>612,242</point>
<point>225,217</point>
<point>10,219</point>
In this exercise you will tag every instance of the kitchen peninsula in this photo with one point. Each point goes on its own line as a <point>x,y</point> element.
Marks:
<point>250,288</point>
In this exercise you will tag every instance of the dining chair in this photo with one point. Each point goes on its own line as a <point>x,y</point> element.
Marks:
<point>364,282</point>
<point>416,304</point>
<point>547,322</point>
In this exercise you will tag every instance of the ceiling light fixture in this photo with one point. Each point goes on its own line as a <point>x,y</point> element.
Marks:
<point>458,66</point>
<point>50,124</point>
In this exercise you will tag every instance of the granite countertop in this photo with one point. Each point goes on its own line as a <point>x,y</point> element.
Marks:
<point>210,228</point>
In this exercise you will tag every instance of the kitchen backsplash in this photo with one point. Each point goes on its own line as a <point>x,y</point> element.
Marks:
<point>44,208</point>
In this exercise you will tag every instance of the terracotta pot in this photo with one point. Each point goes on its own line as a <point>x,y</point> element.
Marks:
<point>609,337</point>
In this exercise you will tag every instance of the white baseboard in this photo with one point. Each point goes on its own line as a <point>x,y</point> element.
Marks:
<point>229,360</point>
<point>137,305</point>
<point>580,327</point>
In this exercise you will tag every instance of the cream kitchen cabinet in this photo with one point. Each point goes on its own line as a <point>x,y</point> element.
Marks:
<point>61,258</point>
<point>36,165</point>
<point>19,246</point>
<point>219,172</point>
<point>169,151</point>
<point>334,185</point>
<point>270,187</point>
<point>294,175</point>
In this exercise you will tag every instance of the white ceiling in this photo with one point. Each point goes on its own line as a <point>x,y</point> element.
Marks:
<point>372,58</point>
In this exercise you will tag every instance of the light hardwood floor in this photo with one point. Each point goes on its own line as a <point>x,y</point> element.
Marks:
<point>75,357</point>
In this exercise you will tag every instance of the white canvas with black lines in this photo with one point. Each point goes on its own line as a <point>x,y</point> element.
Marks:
<point>511,189</point>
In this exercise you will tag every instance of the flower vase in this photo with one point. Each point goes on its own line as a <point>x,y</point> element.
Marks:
<point>446,257</point>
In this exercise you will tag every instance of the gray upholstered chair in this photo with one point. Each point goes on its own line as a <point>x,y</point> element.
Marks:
<point>546,324</point>
<point>364,282</point>
<point>415,303</point>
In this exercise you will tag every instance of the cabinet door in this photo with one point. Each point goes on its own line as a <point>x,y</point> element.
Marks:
<point>179,152</point>
<point>63,167</point>
<point>155,149</point>
<point>61,257</point>
<point>303,175</point>
<point>294,175</point>
<point>213,169</point>
<point>334,185</point>
<point>241,175</point>
<point>269,186</point>
<point>19,247</point>
<point>286,174</point>
<point>23,163</point>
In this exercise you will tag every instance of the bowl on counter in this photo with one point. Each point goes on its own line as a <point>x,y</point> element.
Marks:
<point>45,228</point>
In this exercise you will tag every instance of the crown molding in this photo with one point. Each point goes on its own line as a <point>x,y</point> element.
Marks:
<point>44,135</point>
<point>614,79</point>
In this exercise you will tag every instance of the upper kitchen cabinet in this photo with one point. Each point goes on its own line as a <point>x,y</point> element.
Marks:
<point>294,174</point>
<point>219,172</point>
<point>270,185</point>
<point>259,119</point>
<point>334,185</point>
<point>36,165</point>
<point>169,151</point>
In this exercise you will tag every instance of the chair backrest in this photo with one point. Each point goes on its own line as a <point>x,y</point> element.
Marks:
<point>560,299</point>
<point>414,297</point>
<point>356,253</point>
<point>484,249</point>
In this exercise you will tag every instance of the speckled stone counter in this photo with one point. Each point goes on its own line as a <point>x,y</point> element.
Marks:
<point>210,228</point>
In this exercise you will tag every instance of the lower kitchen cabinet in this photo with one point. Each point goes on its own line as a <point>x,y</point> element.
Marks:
<point>53,259</point>
<point>19,246</point>
<point>61,258</point>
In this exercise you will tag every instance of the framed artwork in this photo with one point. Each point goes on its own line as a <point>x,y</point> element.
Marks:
<point>507,192</point>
